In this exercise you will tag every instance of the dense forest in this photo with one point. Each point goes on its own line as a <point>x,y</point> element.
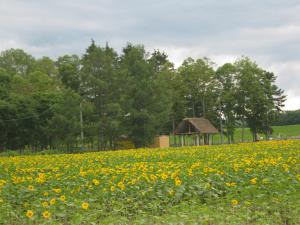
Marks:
<point>95,99</point>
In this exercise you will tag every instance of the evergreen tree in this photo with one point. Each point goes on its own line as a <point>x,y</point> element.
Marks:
<point>227,92</point>
<point>146,101</point>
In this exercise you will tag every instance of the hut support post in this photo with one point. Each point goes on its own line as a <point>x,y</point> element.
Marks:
<point>197,139</point>
<point>174,140</point>
<point>206,139</point>
<point>182,140</point>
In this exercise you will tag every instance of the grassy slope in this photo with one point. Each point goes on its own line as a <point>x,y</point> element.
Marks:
<point>291,130</point>
<point>279,132</point>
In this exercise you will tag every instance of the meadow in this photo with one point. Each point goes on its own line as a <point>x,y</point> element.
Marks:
<point>279,132</point>
<point>249,183</point>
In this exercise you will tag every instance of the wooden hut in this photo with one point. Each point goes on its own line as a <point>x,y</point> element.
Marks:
<point>194,131</point>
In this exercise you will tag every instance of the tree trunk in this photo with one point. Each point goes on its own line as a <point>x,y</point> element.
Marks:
<point>243,130</point>
<point>203,107</point>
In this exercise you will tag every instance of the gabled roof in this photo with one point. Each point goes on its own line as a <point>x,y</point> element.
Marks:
<point>195,125</point>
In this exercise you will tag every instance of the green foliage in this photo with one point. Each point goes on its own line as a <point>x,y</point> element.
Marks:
<point>218,212</point>
<point>200,87</point>
<point>16,61</point>
<point>69,71</point>
<point>47,66</point>
<point>29,103</point>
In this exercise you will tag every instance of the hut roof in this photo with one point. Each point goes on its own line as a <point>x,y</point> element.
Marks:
<point>195,125</point>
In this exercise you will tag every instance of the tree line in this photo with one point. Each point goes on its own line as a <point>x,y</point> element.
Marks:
<point>290,117</point>
<point>101,96</point>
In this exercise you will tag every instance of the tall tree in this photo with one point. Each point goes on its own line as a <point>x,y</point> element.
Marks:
<point>226,75</point>
<point>101,86</point>
<point>258,97</point>
<point>274,103</point>
<point>165,75</point>
<point>146,102</point>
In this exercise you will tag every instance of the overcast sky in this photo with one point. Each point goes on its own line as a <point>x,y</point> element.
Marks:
<point>268,31</point>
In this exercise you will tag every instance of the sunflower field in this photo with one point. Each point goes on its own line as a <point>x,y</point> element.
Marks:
<point>123,187</point>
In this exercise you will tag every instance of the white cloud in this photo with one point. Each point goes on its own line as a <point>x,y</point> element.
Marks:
<point>289,79</point>
<point>293,102</point>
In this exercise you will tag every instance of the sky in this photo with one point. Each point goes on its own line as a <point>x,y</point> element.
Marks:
<point>267,31</point>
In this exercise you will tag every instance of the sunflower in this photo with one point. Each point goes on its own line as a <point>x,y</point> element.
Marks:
<point>85,205</point>
<point>46,214</point>
<point>29,213</point>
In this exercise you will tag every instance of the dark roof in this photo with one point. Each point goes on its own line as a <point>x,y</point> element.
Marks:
<point>195,125</point>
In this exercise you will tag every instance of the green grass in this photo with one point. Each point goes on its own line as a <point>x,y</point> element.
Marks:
<point>279,132</point>
<point>288,131</point>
